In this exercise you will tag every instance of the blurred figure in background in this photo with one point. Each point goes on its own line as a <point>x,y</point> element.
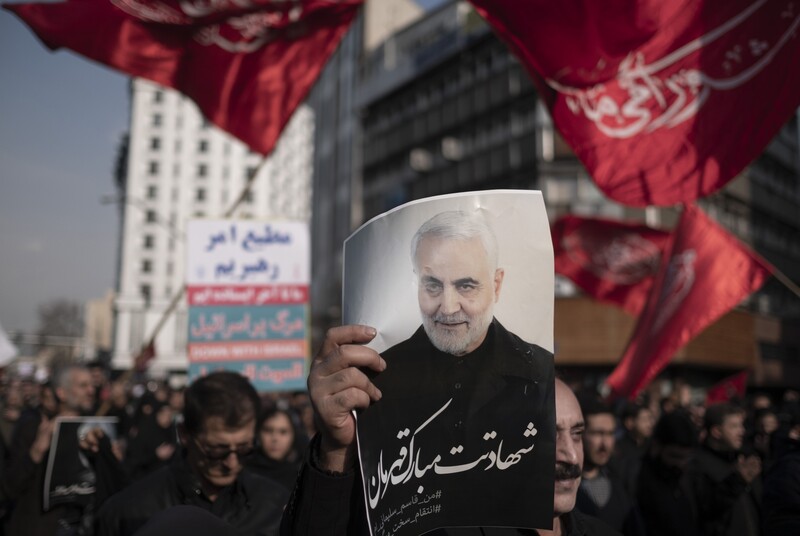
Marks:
<point>601,494</point>
<point>24,479</point>
<point>665,497</point>
<point>154,444</point>
<point>637,422</point>
<point>725,480</point>
<point>278,455</point>
<point>781,499</point>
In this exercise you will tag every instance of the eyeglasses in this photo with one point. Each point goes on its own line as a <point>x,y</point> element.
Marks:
<point>218,453</point>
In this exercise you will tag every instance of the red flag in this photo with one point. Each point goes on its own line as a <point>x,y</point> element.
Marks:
<point>247,64</point>
<point>704,273</point>
<point>147,354</point>
<point>612,261</point>
<point>730,387</point>
<point>663,102</point>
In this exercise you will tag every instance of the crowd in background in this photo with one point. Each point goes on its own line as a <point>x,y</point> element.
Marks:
<point>666,464</point>
<point>148,413</point>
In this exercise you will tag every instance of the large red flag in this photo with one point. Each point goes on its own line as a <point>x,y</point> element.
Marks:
<point>246,63</point>
<point>663,102</point>
<point>612,261</point>
<point>704,273</point>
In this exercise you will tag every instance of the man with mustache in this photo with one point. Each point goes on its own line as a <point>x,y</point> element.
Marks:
<point>601,493</point>
<point>328,499</point>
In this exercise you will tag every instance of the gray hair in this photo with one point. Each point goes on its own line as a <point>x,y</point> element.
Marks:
<point>457,225</point>
<point>62,375</point>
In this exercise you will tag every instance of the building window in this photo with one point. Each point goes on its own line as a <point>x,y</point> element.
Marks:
<point>151,217</point>
<point>248,197</point>
<point>147,266</point>
<point>202,146</point>
<point>152,192</point>
<point>202,170</point>
<point>155,144</point>
<point>157,120</point>
<point>176,170</point>
<point>200,194</point>
<point>158,96</point>
<point>249,171</point>
<point>205,124</point>
<point>153,168</point>
<point>149,241</point>
<point>178,146</point>
<point>144,290</point>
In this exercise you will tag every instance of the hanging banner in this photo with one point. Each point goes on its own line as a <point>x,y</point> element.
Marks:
<point>460,290</point>
<point>247,289</point>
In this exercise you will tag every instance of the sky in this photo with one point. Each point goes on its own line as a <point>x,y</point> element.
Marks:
<point>60,121</point>
<point>61,118</point>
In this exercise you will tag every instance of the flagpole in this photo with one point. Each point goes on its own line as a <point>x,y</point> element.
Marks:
<point>173,304</point>
<point>788,283</point>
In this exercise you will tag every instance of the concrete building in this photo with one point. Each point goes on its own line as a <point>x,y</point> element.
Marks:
<point>174,166</point>
<point>178,167</point>
<point>98,332</point>
<point>445,107</point>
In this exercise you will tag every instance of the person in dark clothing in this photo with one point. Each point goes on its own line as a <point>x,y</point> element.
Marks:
<point>465,367</point>
<point>665,497</point>
<point>277,455</point>
<point>24,478</point>
<point>601,494</point>
<point>781,497</point>
<point>725,482</point>
<point>217,432</point>
<point>637,423</point>
<point>154,444</point>
<point>328,499</point>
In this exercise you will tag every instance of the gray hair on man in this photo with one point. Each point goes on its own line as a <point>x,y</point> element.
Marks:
<point>457,225</point>
<point>62,374</point>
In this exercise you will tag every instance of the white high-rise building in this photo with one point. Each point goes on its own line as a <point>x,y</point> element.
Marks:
<point>180,167</point>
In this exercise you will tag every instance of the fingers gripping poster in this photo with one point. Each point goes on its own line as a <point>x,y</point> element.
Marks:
<point>460,290</point>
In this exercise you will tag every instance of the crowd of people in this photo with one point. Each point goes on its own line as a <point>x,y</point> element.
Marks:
<point>164,449</point>
<point>656,467</point>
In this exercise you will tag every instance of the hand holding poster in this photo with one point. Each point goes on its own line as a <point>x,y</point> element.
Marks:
<point>468,396</point>
<point>69,476</point>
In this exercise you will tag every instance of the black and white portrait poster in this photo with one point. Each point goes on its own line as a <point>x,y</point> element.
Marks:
<point>69,476</point>
<point>460,290</point>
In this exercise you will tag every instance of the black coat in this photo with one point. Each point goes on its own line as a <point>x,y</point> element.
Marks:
<point>324,505</point>
<point>252,504</point>
<point>502,388</point>
<point>727,505</point>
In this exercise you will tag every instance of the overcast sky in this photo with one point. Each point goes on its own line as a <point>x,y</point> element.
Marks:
<point>61,118</point>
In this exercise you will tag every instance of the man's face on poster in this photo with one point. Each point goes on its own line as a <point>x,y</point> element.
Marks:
<point>458,287</point>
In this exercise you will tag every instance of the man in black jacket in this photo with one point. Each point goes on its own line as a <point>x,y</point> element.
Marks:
<point>459,377</point>
<point>601,493</point>
<point>217,431</point>
<point>726,482</point>
<point>328,499</point>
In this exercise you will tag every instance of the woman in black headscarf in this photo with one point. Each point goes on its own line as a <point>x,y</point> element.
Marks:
<point>277,455</point>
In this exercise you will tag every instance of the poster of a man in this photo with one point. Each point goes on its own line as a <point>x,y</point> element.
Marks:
<point>468,405</point>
